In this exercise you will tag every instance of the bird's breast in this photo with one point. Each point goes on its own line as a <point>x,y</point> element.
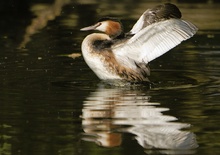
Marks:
<point>100,60</point>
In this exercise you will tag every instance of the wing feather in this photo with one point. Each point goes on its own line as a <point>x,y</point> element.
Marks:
<point>153,41</point>
<point>156,14</point>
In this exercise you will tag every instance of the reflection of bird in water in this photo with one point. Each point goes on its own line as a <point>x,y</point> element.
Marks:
<point>109,113</point>
<point>116,55</point>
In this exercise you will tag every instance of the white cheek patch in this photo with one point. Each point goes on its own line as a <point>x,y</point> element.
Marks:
<point>103,26</point>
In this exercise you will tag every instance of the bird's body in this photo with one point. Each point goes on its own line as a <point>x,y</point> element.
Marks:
<point>104,63</point>
<point>113,55</point>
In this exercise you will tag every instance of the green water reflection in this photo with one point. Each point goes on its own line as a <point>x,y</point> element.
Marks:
<point>54,104</point>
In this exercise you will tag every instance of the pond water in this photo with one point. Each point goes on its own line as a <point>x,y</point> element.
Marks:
<point>52,103</point>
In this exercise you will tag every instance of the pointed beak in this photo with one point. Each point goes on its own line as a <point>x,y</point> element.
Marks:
<point>92,27</point>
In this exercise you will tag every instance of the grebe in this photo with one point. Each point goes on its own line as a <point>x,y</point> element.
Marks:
<point>115,55</point>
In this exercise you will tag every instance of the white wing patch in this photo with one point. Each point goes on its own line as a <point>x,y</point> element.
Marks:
<point>140,23</point>
<point>153,41</point>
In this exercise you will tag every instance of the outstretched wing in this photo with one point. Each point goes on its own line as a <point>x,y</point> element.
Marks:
<point>153,41</point>
<point>156,14</point>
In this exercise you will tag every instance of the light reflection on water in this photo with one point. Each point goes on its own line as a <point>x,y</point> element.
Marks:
<point>109,113</point>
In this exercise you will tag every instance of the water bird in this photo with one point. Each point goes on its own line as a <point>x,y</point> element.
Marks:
<point>115,55</point>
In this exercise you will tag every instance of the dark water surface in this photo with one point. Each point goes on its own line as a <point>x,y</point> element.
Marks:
<point>52,103</point>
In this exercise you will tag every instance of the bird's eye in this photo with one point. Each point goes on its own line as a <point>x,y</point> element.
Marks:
<point>99,23</point>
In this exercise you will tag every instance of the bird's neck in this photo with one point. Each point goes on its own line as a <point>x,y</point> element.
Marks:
<point>92,42</point>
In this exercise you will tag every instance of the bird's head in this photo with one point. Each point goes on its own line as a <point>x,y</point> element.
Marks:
<point>110,26</point>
